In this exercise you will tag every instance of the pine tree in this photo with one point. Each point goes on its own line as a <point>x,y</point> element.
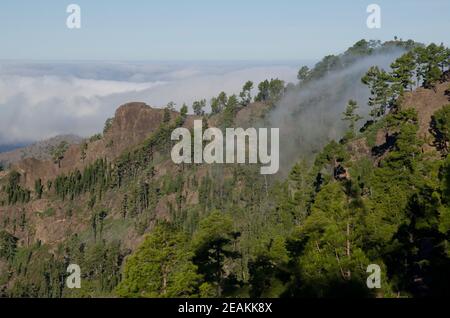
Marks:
<point>171,106</point>
<point>8,245</point>
<point>219,103</point>
<point>38,188</point>
<point>270,91</point>
<point>429,60</point>
<point>351,116</point>
<point>215,109</point>
<point>381,94</point>
<point>403,72</point>
<point>108,125</point>
<point>166,116</point>
<point>83,149</point>
<point>213,246</point>
<point>303,73</point>
<point>59,151</point>
<point>161,267</point>
<point>184,111</point>
<point>332,260</point>
<point>441,128</point>
<point>125,206</point>
<point>198,107</point>
<point>245,94</point>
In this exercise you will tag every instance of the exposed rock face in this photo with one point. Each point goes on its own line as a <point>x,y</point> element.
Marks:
<point>132,124</point>
<point>427,102</point>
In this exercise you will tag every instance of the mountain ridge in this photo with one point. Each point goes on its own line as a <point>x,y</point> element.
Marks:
<point>310,234</point>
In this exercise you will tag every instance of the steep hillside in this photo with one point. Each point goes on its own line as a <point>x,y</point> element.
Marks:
<point>141,226</point>
<point>132,123</point>
<point>426,102</point>
<point>132,126</point>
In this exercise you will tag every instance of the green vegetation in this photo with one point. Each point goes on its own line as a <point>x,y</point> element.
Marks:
<point>213,246</point>
<point>94,179</point>
<point>270,91</point>
<point>58,152</point>
<point>352,117</point>
<point>245,94</point>
<point>219,103</point>
<point>38,188</point>
<point>359,50</point>
<point>95,137</point>
<point>161,267</point>
<point>198,107</point>
<point>231,232</point>
<point>441,128</point>
<point>183,111</point>
<point>108,124</point>
<point>8,245</point>
<point>426,64</point>
<point>303,73</point>
<point>14,191</point>
<point>381,99</point>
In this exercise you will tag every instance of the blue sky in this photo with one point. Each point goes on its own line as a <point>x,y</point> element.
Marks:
<point>209,30</point>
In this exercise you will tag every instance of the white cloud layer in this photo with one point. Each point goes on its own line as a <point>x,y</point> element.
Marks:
<point>41,100</point>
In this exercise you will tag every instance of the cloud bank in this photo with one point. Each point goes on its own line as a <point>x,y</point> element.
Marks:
<point>41,100</point>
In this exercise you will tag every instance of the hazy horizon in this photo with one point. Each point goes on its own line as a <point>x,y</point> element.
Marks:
<point>40,100</point>
<point>56,80</point>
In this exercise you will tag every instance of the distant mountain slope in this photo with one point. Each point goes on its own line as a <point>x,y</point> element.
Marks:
<point>379,195</point>
<point>39,150</point>
<point>11,147</point>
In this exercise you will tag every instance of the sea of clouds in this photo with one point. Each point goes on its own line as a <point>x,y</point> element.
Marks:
<point>39,100</point>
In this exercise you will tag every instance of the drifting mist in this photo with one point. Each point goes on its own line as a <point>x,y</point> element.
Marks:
<point>310,116</point>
